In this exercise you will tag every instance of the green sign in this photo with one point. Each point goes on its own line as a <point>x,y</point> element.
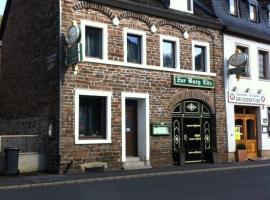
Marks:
<point>193,82</point>
<point>159,129</point>
<point>74,54</point>
<point>237,70</point>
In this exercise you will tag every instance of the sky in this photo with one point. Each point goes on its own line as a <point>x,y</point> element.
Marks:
<point>2,6</point>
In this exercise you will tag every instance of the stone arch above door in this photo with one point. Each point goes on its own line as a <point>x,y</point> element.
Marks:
<point>196,95</point>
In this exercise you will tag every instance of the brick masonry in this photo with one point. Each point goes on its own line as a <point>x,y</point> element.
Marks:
<point>30,77</point>
<point>158,84</point>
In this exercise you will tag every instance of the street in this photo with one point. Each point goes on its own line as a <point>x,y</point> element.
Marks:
<point>248,184</point>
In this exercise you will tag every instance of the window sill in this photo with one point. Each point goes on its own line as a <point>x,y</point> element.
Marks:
<point>264,80</point>
<point>93,141</point>
<point>148,67</point>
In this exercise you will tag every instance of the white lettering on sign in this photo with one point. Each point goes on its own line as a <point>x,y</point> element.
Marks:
<point>246,98</point>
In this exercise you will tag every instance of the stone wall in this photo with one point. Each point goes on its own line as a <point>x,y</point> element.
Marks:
<point>29,71</point>
<point>120,78</point>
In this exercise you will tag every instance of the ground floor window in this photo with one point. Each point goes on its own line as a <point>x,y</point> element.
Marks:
<point>92,120</point>
<point>92,117</point>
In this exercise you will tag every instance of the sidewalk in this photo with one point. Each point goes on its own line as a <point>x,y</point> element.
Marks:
<point>39,180</point>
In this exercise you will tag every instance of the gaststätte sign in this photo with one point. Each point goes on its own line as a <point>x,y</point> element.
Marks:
<point>193,82</point>
<point>246,98</point>
<point>238,59</point>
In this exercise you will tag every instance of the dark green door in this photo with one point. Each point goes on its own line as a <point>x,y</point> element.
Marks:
<point>191,131</point>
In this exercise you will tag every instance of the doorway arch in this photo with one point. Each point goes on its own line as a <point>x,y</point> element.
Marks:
<point>192,133</point>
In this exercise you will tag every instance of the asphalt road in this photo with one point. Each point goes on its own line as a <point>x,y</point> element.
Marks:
<point>248,184</point>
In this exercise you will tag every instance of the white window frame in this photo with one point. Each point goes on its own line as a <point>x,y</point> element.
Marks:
<point>104,27</point>
<point>251,11</point>
<point>177,50</point>
<point>143,46</point>
<point>87,92</point>
<point>207,54</point>
<point>236,9</point>
<point>267,67</point>
<point>178,5</point>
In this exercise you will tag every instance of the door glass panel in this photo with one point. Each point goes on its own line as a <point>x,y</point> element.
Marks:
<point>239,126</point>
<point>251,129</point>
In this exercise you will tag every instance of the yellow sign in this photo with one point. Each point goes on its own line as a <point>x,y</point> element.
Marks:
<point>237,131</point>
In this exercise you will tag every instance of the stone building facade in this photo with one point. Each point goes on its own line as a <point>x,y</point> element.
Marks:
<point>173,105</point>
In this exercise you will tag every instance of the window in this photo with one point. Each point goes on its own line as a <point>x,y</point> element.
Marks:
<point>189,5</point>
<point>92,117</point>
<point>201,57</point>
<point>263,59</point>
<point>244,50</point>
<point>200,63</point>
<point>234,7</point>
<point>182,5</point>
<point>94,41</point>
<point>134,47</point>
<point>169,52</point>
<point>253,13</point>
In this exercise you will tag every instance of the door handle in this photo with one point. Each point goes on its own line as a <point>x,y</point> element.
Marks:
<point>185,137</point>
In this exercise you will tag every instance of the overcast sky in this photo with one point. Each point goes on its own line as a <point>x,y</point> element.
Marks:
<point>2,6</point>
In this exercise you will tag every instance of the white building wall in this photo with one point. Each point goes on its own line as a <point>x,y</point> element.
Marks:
<point>253,82</point>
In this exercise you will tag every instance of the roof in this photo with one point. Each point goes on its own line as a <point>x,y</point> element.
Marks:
<point>241,25</point>
<point>202,15</point>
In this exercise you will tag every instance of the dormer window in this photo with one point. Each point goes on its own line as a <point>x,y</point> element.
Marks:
<point>253,14</point>
<point>182,5</point>
<point>234,7</point>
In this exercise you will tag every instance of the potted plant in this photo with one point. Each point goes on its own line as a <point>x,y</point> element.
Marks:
<point>241,152</point>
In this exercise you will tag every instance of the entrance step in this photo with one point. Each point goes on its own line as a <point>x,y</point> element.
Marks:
<point>133,163</point>
<point>256,158</point>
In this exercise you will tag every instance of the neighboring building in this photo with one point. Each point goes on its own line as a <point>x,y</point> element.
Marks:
<point>150,83</point>
<point>248,99</point>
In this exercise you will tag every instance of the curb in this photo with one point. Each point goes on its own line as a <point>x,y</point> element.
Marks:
<point>124,177</point>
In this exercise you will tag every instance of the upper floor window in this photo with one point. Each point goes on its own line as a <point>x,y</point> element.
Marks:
<point>263,62</point>
<point>134,46</point>
<point>94,40</point>
<point>245,50</point>
<point>182,5</point>
<point>234,7</point>
<point>169,52</point>
<point>253,14</point>
<point>201,62</point>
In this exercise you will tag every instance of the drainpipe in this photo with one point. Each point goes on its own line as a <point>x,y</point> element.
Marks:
<point>60,57</point>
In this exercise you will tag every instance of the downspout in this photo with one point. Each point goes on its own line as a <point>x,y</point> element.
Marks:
<point>60,57</point>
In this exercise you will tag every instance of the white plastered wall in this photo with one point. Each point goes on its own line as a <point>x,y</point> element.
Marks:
<point>253,83</point>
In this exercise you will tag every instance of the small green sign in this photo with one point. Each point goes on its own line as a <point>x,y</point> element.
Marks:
<point>74,54</point>
<point>237,70</point>
<point>159,129</point>
<point>193,82</point>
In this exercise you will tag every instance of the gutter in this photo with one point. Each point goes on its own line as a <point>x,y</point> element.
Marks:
<point>159,12</point>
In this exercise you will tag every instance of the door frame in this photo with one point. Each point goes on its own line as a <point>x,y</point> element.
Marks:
<point>245,117</point>
<point>143,126</point>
